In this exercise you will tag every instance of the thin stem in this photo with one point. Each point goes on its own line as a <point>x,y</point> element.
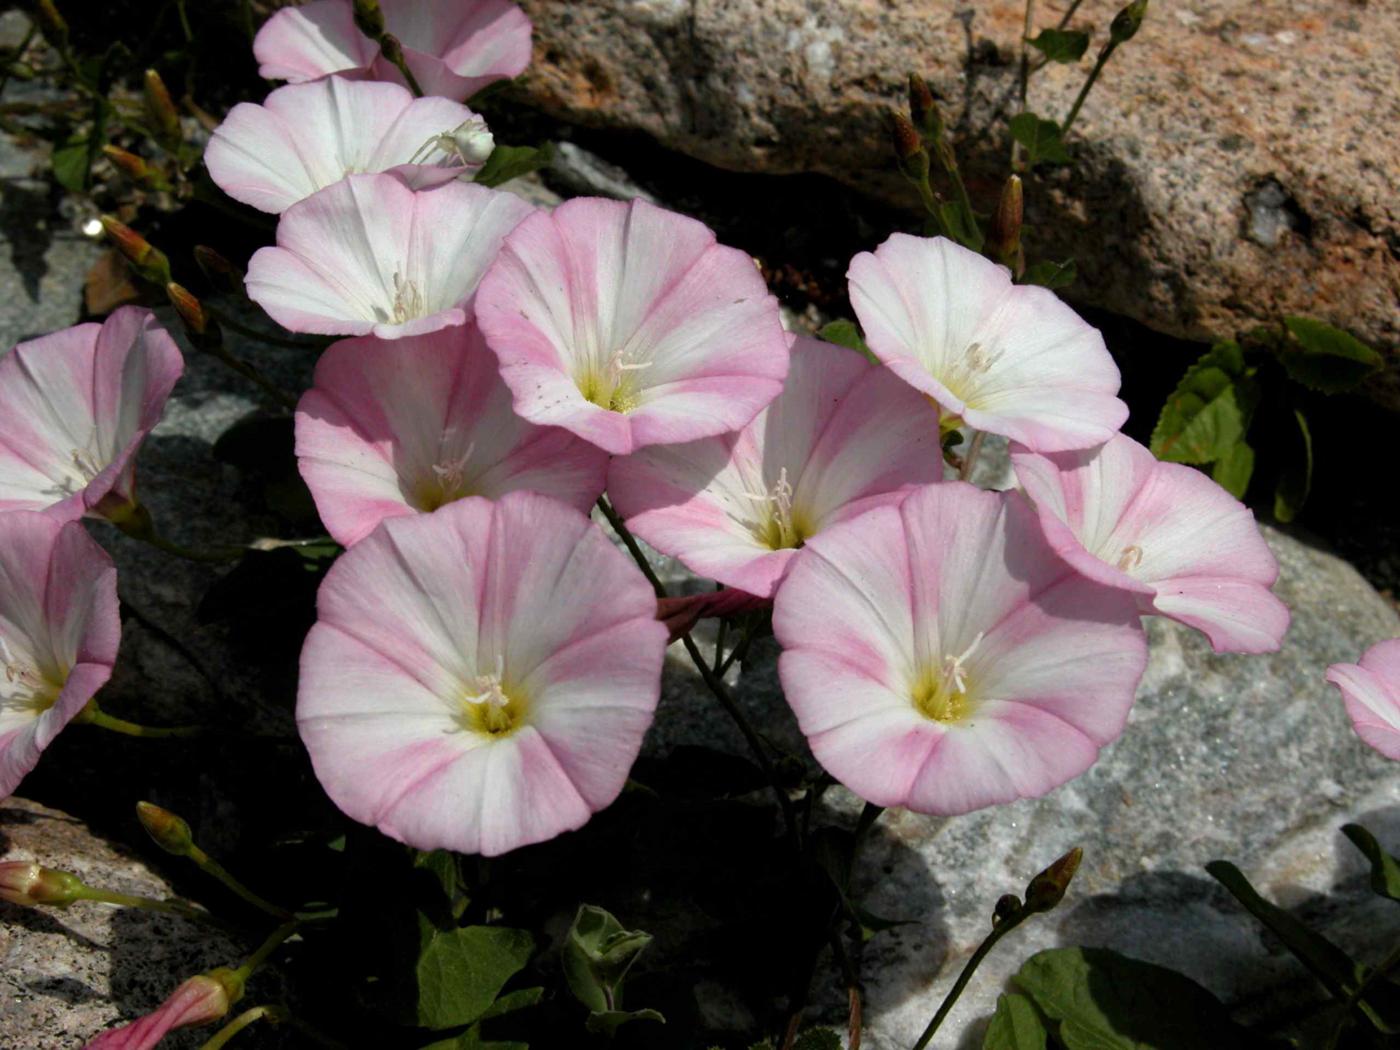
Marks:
<point>620,527</point>
<point>983,950</point>
<point>216,555</point>
<point>393,51</point>
<point>933,205</point>
<point>265,950</point>
<point>1384,967</point>
<point>970,460</point>
<point>1088,83</point>
<point>868,816</point>
<point>1069,13</point>
<point>853,989</point>
<point>252,333</point>
<point>212,867</point>
<point>739,651</point>
<point>274,1014</point>
<point>91,715</point>
<point>719,638</point>
<point>127,900</point>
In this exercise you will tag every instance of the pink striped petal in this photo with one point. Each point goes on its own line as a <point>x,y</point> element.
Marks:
<point>1371,691</point>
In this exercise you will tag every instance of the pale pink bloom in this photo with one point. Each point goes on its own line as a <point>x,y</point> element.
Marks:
<point>402,428</point>
<point>74,409</point>
<point>200,1000</point>
<point>453,47</point>
<point>1164,531</point>
<point>1371,692</point>
<point>844,436</point>
<point>1009,359</point>
<point>368,255</point>
<point>630,326</point>
<point>59,630</point>
<point>305,137</point>
<point>480,677</point>
<point>939,656</point>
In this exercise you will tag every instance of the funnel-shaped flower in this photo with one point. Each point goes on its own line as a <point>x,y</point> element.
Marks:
<point>480,677</point>
<point>395,429</point>
<point>74,409</point>
<point>939,656</point>
<point>1371,692</point>
<point>844,436</point>
<point>368,255</point>
<point>630,326</point>
<point>59,630</point>
<point>200,1000</point>
<point>1009,359</point>
<point>454,48</point>
<point>305,137</point>
<point>1169,534</point>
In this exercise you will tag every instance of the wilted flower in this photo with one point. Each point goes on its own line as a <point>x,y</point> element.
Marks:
<point>368,255</point>
<point>305,137</point>
<point>630,326</point>
<point>1009,359</point>
<point>844,436</point>
<point>480,677</point>
<point>1371,692</point>
<point>939,656</point>
<point>200,1000</point>
<point>1169,534</point>
<point>403,428</point>
<point>453,49</point>
<point>74,409</point>
<point>59,631</point>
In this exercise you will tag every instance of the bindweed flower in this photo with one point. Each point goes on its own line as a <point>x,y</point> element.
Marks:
<point>200,1000</point>
<point>59,631</point>
<point>630,326</point>
<point>939,656</point>
<point>74,409</point>
<point>404,428</point>
<point>1163,531</point>
<point>1371,691</point>
<point>844,436</point>
<point>453,49</point>
<point>305,137</point>
<point>1009,359</point>
<point>368,255</point>
<point>481,677</point>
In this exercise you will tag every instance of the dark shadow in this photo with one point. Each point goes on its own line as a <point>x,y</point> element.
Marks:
<point>66,989</point>
<point>25,214</point>
<point>43,921</point>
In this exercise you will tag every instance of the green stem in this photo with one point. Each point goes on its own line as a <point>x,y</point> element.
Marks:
<point>1348,1008</point>
<point>393,51</point>
<point>274,1015</point>
<point>127,900</point>
<point>970,460</point>
<point>265,950</point>
<point>983,950</point>
<point>92,715</point>
<point>1108,49</point>
<point>932,205</point>
<point>620,527</point>
<point>216,555</point>
<point>212,867</point>
<point>1069,13</point>
<point>739,651</point>
<point>868,816</point>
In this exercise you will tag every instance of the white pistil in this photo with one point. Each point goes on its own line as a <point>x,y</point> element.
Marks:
<point>954,676</point>
<point>488,689</point>
<point>779,498</point>
<point>450,473</point>
<point>408,301</point>
<point>27,689</point>
<point>979,360</point>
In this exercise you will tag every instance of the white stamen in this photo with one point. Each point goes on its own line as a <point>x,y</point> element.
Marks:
<point>1130,559</point>
<point>780,496</point>
<point>28,688</point>
<point>487,688</point>
<point>408,301</point>
<point>450,473</point>
<point>979,360</point>
<point>954,674</point>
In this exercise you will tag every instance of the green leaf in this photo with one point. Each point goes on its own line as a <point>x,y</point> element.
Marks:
<point>1385,869</point>
<point>819,1039</point>
<point>471,1040</point>
<point>1107,1001</point>
<point>513,1001</point>
<point>1325,358</point>
<point>1295,482</point>
<point>597,954</point>
<point>70,164</point>
<point>1338,972</point>
<point>1015,1026</point>
<point>962,225</point>
<point>845,333</point>
<point>607,1022</point>
<point>1061,45</point>
<point>510,162</point>
<point>1210,410</point>
<point>461,971</point>
<point>1040,137</point>
<point>1049,274</point>
<point>1233,470</point>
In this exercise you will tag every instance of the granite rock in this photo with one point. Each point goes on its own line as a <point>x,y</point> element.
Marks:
<point>1230,165</point>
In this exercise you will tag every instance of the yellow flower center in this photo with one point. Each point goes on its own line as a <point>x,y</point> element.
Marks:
<point>22,687</point>
<point>615,384</point>
<point>942,694</point>
<point>446,482</point>
<point>779,526</point>
<point>492,707</point>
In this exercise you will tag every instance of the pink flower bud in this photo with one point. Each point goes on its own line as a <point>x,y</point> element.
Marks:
<point>26,883</point>
<point>198,1001</point>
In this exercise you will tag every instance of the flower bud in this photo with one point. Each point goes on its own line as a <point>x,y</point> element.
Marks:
<point>161,111</point>
<point>1048,888</point>
<point>1127,22</point>
<point>198,1001</point>
<point>369,18</point>
<point>198,323</point>
<point>908,148</point>
<point>51,23</point>
<point>27,883</point>
<point>170,832</point>
<point>134,167</point>
<point>922,108</point>
<point>222,274</point>
<point>146,259</point>
<point>1007,909</point>
<point>1005,240</point>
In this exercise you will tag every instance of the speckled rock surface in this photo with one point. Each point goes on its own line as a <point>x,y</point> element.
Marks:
<point>1230,163</point>
<point>66,975</point>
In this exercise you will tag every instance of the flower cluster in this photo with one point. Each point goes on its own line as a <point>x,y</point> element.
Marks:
<point>486,661</point>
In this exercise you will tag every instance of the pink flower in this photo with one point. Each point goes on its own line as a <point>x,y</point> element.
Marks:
<point>200,1000</point>
<point>368,255</point>
<point>453,47</point>
<point>842,437</point>
<point>1009,359</point>
<point>391,429</point>
<point>480,677</point>
<point>630,326</point>
<point>939,656</point>
<point>59,630</point>
<point>1167,533</point>
<point>74,409</point>
<point>1371,692</point>
<point>305,137</point>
